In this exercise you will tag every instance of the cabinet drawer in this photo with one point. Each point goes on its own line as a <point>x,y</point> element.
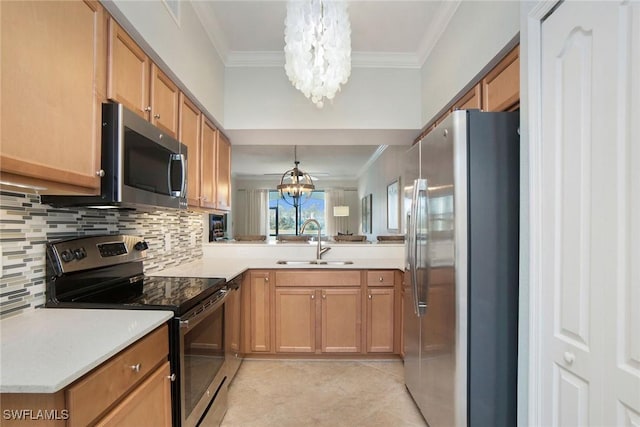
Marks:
<point>318,278</point>
<point>380,278</point>
<point>100,389</point>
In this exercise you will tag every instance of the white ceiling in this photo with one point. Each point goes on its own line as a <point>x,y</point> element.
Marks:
<point>390,33</point>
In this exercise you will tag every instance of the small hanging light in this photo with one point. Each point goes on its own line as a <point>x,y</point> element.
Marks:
<point>295,185</point>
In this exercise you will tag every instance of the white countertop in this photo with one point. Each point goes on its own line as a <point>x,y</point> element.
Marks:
<point>45,350</point>
<point>230,268</point>
<point>229,260</point>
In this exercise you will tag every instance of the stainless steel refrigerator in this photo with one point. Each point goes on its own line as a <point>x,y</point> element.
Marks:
<point>461,201</point>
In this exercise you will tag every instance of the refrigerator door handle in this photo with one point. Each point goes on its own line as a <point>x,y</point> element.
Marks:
<point>412,246</point>
<point>423,289</point>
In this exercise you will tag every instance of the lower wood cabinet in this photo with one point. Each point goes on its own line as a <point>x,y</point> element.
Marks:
<point>296,322</point>
<point>380,319</point>
<point>310,320</point>
<point>341,320</point>
<point>321,312</point>
<point>133,388</point>
<point>149,404</point>
<point>257,297</point>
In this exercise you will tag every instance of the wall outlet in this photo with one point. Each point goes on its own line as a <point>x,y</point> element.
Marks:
<point>167,243</point>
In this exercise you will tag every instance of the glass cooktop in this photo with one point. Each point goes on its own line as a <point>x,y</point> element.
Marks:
<point>178,294</point>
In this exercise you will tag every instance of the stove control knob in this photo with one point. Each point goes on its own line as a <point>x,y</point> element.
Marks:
<point>80,253</point>
<point>141,246</point>
<point>66,255</point>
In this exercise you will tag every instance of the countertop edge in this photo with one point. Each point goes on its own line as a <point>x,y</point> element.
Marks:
<point>87,365</point>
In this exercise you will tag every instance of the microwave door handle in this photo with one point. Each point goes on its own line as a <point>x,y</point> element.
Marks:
<point>174,157</point>
<point>183,167</point>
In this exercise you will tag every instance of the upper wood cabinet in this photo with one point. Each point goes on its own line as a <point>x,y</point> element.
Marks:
<point>208,164</point>
<point>472,100</point>
<point>53,64</point>
<point>209,159</point>
<point>223,173</point>
<point>138,84</point>
<point>498,90</point>
<point>128,72</point>
<point>189,133</point>
<point>501,86</point>
<point>164,102</point>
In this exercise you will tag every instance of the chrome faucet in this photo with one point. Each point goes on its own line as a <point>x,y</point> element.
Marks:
<point>320,250</point>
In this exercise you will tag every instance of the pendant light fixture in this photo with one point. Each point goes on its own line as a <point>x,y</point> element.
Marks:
<point>317,48</point>
<point>295,186</point>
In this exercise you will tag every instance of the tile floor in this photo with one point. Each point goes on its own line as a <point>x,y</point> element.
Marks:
<point>295,393</point>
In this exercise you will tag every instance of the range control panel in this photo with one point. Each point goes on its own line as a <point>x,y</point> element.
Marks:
<point>96,251</point>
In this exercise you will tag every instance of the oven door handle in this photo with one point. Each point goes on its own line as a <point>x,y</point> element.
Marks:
<point>191,319</point>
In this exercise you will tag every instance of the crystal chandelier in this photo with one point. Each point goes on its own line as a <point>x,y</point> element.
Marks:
<point>317,50</point>
<point>295,186</point>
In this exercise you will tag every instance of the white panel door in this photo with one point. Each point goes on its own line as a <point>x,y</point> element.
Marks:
<point>590,205</point>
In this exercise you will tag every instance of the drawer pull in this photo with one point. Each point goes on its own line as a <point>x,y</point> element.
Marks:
<point>136,367</point>
<point>381,279</point>
<point>172,377</point>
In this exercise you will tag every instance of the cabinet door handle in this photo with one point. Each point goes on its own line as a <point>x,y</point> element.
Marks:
<point>100,173</point>
<point>313,296</point>
<point>156,116</point>
<point>136,367</point>
<point>147,108</point>
<point>172,377</point>
<point>370,296</point>
<point>324,296</point>
<point>266,279</point>
<point>381,279</point>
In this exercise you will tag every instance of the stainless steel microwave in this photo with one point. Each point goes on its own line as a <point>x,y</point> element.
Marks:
<point>142,167</point>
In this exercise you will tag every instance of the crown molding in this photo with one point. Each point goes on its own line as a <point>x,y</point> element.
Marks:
<point>440,21</point>
<point>376,154</point>
<point>358,59</point>
<point>411,60</point>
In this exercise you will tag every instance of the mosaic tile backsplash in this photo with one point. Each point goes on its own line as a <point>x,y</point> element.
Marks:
<point>26,225</point>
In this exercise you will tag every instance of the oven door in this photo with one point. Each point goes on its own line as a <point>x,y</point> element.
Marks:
<point>202,361</point>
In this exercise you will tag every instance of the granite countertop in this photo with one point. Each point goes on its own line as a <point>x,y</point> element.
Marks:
<point>45,350</point>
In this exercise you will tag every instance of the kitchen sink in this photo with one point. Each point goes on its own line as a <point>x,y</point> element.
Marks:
<point>314,262</point>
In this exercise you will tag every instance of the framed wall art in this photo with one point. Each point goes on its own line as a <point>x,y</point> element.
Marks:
<point>393,206</point>
<point>366,214</point>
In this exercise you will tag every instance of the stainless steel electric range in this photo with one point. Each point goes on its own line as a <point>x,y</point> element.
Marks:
<point>107,272</point>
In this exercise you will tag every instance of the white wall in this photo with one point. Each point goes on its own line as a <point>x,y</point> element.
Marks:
<point>185,49</point>
<point>386,169</point>
<point>373,98</point>
<point>478,31</point>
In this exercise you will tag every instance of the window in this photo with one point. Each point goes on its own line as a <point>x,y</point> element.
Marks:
<point>285,219</point>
